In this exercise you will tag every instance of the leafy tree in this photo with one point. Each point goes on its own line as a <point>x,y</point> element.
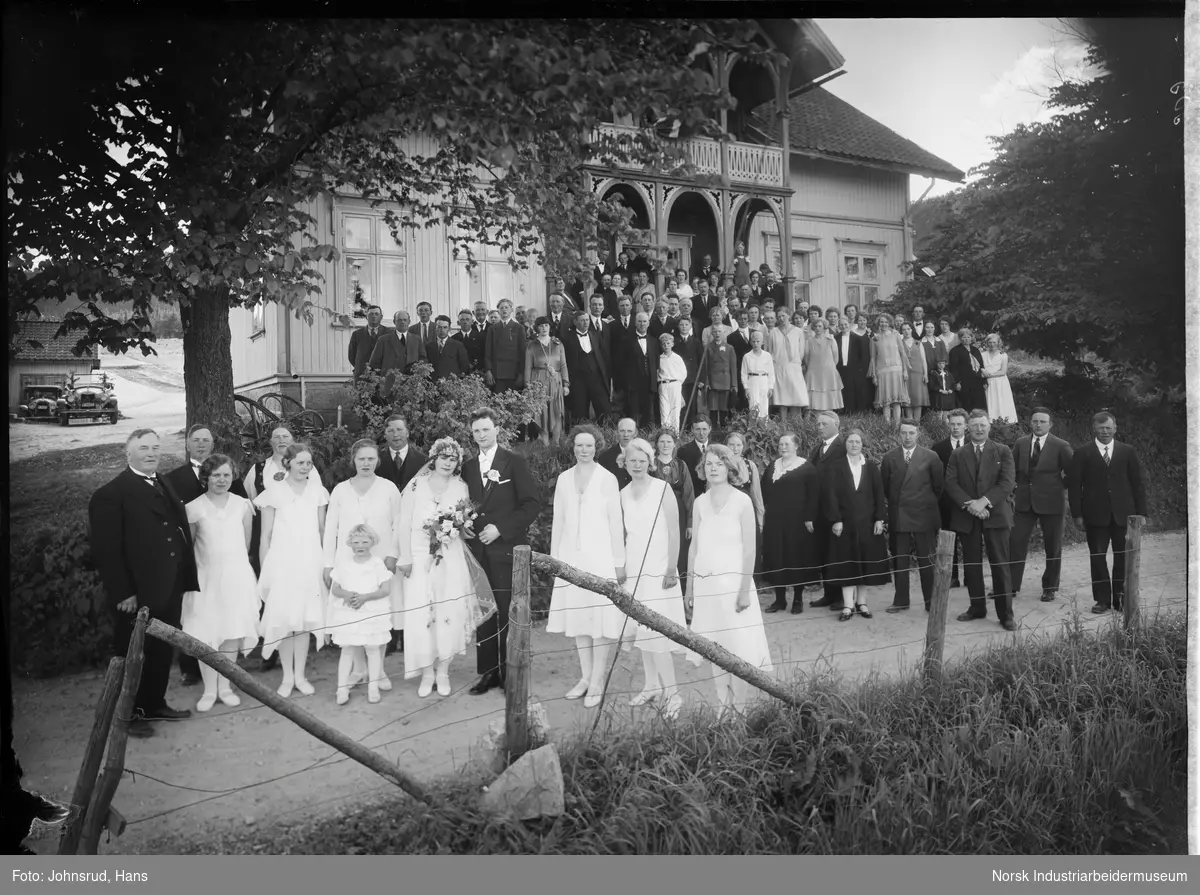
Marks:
<point>1071,239</point>
<point>170,160</point>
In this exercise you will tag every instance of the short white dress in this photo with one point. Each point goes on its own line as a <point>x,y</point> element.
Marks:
<point>1000,404</point>
<point>718,578</point>
<point>372,624</point>
<point>646,536</point>
<point>787,350</point>
<point>291,583</point>
<point>226,606</point>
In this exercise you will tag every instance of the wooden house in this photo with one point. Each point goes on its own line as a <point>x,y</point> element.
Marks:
<point>51,364</point>
<point>801,169</point>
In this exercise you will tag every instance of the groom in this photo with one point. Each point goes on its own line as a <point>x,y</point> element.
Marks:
<point>501,485</point>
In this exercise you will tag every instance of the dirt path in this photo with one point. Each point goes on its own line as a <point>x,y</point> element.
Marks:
<point>191,762</point>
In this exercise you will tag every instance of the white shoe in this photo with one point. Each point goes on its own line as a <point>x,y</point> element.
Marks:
<point>285,689</point>
<point>229,698</point>
<point>372,693</point>
<point>305,688</point>
<point>644,697</point>
<point>592,699</point>
<point>206,702</point>
<point>426,687</point>
<point>578,690</point>
<point>343,695</point>
<point>385,683</point>
<point>443,684</point>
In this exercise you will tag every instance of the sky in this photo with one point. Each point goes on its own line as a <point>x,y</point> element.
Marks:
<point>949,84</point>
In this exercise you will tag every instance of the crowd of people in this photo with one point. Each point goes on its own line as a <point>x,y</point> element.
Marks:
<point>413,553</point>
<point>709,343</point>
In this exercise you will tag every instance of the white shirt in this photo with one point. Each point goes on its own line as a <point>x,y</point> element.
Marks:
<point>856,470</point>
<point>827,445</point>
<point>196,469</point>
<point>151,479</point>
<point>1039,442</point>
<point>598,323</point>
<point>625,322</point>
<point>641,340</point>
<point>908,456</point>
<point>585,344</point>
<point>485,461</point>
<point>398,457</point>
<point>1105,449</point>
<point>955,444</point>
<point>845,338</point>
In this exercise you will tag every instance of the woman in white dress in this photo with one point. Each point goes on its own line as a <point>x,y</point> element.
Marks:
<point>439,595</point>
<point>587,533</point>
<point>1000,404</point>
<point>786,346</point>
<point>293,523</point>
<point>721,573</point>
<point>758,376</point>
<point>223,614</point>
<point>368,500</point>
<point>651,544</point>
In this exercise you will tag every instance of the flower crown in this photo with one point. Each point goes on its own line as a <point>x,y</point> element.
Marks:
<point>445,447</point>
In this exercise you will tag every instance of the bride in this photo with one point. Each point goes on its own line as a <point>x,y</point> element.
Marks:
<point>443,600</point>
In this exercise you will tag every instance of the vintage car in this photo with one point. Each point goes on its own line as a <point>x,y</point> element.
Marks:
<point>40,402</point>
<point>88,396</point>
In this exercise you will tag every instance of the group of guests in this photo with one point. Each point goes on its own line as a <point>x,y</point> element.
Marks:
<point>273,558</point>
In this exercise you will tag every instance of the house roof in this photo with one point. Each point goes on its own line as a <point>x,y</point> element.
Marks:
<point>823,124</point>
<point>52,349</point>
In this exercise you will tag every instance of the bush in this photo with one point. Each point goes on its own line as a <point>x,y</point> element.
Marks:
<point>1071,745</point>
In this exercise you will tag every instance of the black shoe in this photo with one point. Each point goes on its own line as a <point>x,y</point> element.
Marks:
<point>1101,608</point>
<point>1009,624</point>
<point>489,681</point>
<point>189,679</point>
<point>797,605</point>
<point>954,582</point>
<point>141,728</point>
<point>836,607</point>
<point>895,609</point>
<point>776,607</point>
<point>825,601</point>
<point>270,664</point>
<point>970,616</point>
<point>165,713</point>
<point>1048,595</point>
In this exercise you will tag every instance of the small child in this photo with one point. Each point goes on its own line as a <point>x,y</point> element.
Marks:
<point>672,371</point>
<point>359,623</point>
<point>720,373</point>
<point>942,386</point>
<point>741,267</point>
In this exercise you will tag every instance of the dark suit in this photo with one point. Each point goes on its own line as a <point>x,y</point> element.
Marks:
<point>423,339</point>
<point>992,476</point>
<point>853,365</point>
<point>973,394</point>
<point>914,492</point>
<point>142,546</point>
<point>504,355</point>
<point>449,361</point>
<point>690,455</point>
<point>618,349</point>
<point>395,351</point>
<point>741,347</point>
<point>691,350</point>
<point>589,375</point>
<point>608,459</point>
<point>401,476</point>
<point>472,340</point>
<point>658,327</point>
<point>823,528</point>
<point>1105,497</point>
<point>362,343</point>
<point>944,449</point>
<point>641,379</point>
<point>1040,498</point>
<point>512,507</point>
<point>563,326</point>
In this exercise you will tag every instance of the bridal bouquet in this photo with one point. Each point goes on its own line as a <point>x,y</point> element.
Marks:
<point>446,525</point>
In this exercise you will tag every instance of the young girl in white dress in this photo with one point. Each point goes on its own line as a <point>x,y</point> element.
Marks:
<point>758,375</point>
<point>291,585</point>
<point>651,514</point>
<point>587,533</point>
<point>223,614</point>
<point>360,581</point>
<point>721,573</point>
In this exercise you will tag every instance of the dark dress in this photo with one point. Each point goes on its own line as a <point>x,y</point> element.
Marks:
<point>973,395</point>
<point>858,556</point>
<point>789,550</point>
<point>676,475</point>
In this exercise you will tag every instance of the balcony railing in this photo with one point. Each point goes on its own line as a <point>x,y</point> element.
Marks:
<point>748,163</point>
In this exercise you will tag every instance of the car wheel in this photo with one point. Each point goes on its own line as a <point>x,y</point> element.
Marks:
<point>64,420</point>
<point>114,417</point>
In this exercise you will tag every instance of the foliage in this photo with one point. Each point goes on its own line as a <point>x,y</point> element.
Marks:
<point>1071,238</point>
<point>225,135</point>
<point>1064,745</point>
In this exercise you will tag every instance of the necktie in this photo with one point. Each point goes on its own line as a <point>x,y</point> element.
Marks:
<point>1106,456</point>
<point>424,333</point>
<point>157,485</point>
<point>907,457</point>
<point>1036,453</point>
<point>978,466</point>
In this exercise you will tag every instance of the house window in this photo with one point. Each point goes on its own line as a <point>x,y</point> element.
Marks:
<point>860,276</point>
<point>490,280</point>
<point>258,320</point>
<point>374,265</point>
<point>801,271</point>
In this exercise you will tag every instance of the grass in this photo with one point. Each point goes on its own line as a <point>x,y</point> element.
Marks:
<point>1073,744</point>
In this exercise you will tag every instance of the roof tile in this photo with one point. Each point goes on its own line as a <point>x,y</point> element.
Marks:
<point>52,349</point>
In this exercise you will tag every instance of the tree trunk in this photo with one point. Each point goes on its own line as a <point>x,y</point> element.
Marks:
<point>208,367</point>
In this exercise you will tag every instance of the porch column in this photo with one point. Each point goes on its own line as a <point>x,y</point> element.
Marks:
<point>659,226</point>
<point>785,233</point>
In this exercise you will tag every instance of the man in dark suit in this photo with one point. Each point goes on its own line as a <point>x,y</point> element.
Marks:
<point>704,269</point>
<point>611,457</point>
<point>832,447</point>
<point>449,358</point>
<point>397,349</point>
<point>603,330</point>
<point>587,369</point>
<point>501,485</point>
<point>142,547</point>
<point>774,292</point>
<point>641,372</point>
<point>622,329</point>
<point>692,452</point>
<point>610,296</point>
<point>423,329</point>
<point>853,366</point>
<point>1105,487</point>
<point>688,347</point>
<point>561,323</point>
<point>966,365</point>
<point>362,341</point>
<point>957,421</point>
<point>504,352</point>
<point>471,339</point>
<point>913,478</point>
<point>979,483</point>
<point>662,322</point>
<point>399,462</point>
<point>603,267</point>
<point>1043,462</point>
<point>739,340</point>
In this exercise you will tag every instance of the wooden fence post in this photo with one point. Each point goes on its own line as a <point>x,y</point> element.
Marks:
<point>935,632</point>
<point>114,764</point>
<point>93,754</point>
<point>1132,602</point>
<point>516,685</point>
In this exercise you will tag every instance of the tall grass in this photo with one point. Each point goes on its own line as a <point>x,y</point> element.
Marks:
<point>1071,745</point>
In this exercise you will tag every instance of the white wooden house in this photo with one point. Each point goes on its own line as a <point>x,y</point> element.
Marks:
<point>803,169</point>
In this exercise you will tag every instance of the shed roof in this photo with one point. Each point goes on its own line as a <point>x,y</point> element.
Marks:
<point>53,349</point>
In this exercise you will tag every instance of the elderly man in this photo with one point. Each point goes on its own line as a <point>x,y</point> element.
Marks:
<point>832,446</point>
<point>362,341</point>
<point>397,349</point>
<point>979,482</point>
<point>1043,462</point>
<point>142,548</point>
<point>613,458</point>
<point>913,479</point>
<point>560,321</point>
<point>641,371</point>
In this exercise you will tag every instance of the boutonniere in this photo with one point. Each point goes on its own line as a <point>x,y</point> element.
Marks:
<point>494,478</point>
